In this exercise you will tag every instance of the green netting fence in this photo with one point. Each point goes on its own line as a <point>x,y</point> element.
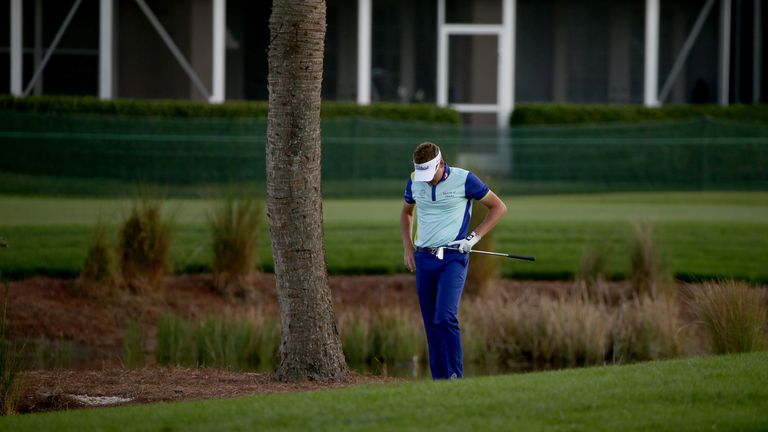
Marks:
<point>78,154</point>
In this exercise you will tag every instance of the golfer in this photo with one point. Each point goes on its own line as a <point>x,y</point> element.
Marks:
<point>443,196</point>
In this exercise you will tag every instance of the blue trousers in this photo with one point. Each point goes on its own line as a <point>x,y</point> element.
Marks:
<point>439,284</point>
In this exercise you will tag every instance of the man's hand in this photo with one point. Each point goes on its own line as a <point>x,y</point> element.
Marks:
<point>406,230</point>
<point>465,244</point>
<point>408,260</point>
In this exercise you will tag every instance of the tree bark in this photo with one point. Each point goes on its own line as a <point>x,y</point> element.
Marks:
<point>310,346</point>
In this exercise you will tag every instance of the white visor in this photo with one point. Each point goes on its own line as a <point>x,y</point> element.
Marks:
<point>425,172</point>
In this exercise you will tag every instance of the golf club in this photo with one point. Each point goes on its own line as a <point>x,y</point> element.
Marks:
<point>439,254</point>
<point>520,257</point>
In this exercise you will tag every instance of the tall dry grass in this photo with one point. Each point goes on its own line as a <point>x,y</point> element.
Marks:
<point>591,276</point>
<point>143,244</point>
<point>11,356</point>
<point>734,315</point>
<point>647,329</point>
<point>98,275</point>
<point>234,228</point>
<point>538,332</point>
<point>507,332</point>
<point>649,274</point>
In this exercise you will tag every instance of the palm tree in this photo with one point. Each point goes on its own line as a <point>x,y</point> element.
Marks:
<point>310,345</point>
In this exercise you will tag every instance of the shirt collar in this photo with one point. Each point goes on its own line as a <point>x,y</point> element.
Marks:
<point>446,173</point>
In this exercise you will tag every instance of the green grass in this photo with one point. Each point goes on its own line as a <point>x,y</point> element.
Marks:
<point>714,393</point>
<point>702,235</point>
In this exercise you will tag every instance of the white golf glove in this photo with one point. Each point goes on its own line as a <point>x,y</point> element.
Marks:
<point>465,244</point>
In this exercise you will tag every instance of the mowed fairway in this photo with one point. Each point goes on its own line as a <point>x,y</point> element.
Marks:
<point>702,235</point>
<point>716,393</point>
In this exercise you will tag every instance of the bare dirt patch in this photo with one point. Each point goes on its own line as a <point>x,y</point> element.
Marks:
<point>67,389</point>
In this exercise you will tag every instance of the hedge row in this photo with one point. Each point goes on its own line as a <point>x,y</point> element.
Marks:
<point>524,114</point>
<point>256,109</point>
<point>548,114</point>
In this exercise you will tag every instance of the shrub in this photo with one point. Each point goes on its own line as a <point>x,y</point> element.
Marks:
<point>143,247</point>
<point>11,383</point>
<point>230,109</point>
<point>734,315</point>
<point>647,329</point>
<point>133,345</point>
<point>234,229</point>
<point>648,273</point>
<point>97,276</point>
<point>540,114</point>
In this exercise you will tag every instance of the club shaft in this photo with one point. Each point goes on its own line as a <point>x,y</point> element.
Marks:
<point>520,257</point>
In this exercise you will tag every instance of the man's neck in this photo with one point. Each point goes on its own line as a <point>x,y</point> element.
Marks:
<point>441,177</point>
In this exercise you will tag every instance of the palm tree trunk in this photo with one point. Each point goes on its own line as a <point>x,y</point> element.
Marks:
<point>310,345</point>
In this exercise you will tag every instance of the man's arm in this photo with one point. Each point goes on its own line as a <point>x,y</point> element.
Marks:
<point>406,230</point>
<point>496,210</point>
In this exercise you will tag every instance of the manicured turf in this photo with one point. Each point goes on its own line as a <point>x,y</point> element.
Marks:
<point>702,235</point>
<point>716,393</point>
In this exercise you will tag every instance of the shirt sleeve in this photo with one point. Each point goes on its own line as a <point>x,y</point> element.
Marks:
<point>408,195</point>
<point>474,188</point>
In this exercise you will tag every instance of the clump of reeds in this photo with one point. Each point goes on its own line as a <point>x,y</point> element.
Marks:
<point>483,269</point>
<point>134,341</point>
<point>591,277</point>
<point>234,228</point>
<point>52,353</point>
<point>649,276</point>
<point>144,240</point>
<point>647,329</point>
<point>383,339</point>
<point>97,276</point>
<point>734,315</point>
<point>267,344</point>
<point>11,383</point>
<point>355,331</point>
<point>175,342</point>
<point>244,342</point>
<point>396,337</point>
<point>223,344</point>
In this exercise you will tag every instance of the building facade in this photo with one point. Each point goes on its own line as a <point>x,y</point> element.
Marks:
<point>480,56</point>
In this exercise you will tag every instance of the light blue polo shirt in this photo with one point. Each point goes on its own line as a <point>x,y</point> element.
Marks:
<point>443,211</point>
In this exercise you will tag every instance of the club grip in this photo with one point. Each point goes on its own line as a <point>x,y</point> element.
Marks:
<point>522,257</point>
